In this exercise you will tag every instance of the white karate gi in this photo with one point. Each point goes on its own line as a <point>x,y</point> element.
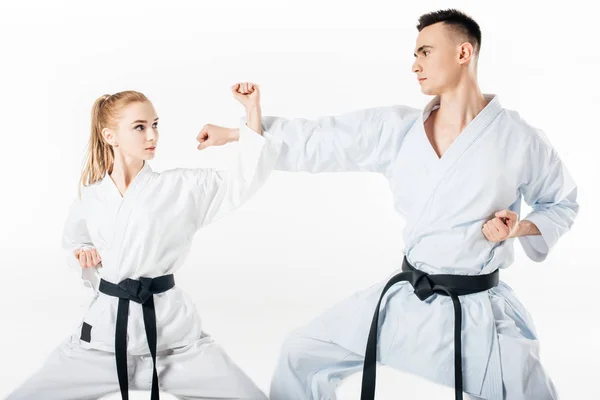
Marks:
<point>498,160</point>
<point>148,233</point>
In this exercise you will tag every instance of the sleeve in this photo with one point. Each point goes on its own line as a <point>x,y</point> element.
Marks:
<point>360,141</point>
<point>75,236</point>
<point>551,192</point>
<point>219,192</point>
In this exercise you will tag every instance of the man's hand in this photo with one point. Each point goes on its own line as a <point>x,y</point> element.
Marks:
<point>88,258</point>
<point>505,225</point>
<point>248,94</point>
<point>214,135</point>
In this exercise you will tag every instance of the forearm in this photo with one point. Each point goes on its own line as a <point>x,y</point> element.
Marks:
<point>527,228</point>
<point>223,191</point>
<point>364,140</point>
<point>253,118</point>
<point>253,121</point>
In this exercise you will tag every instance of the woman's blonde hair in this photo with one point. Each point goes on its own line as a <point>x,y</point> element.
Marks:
<point>100,155</point>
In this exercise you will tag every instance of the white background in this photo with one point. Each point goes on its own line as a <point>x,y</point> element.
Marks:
<point>305,241</point>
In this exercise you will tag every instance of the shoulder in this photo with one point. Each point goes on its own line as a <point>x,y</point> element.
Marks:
<point>395,112</point>
<point>531,137</point>
<point>88,191</point>
<point>396,120</point>
<point>185,176</point>
<point>389,119</point>
<point>401,111</point>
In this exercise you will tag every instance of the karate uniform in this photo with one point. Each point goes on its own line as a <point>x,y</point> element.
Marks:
<point>148,232</point>
<point>496,162</point>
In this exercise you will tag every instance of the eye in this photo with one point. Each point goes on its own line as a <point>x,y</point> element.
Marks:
<point>155,125</point>
<point>425,52</point>
<point>139,126</point>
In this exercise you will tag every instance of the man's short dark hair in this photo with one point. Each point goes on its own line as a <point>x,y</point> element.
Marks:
<point>457,20</point>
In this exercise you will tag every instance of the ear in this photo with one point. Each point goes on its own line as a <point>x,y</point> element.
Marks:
<point>465,52</point>
<point>108,136</point>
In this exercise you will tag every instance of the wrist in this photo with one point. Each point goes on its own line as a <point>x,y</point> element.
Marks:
<point>526,228</point>
<point>233,134</point>
<point>252,108</point>
<point>253,119</point>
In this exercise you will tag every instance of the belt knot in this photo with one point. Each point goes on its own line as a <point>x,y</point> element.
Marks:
<point>421,284</point>
<point>138,290</point>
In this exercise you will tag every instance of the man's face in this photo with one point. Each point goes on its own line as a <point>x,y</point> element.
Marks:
<point>437,63</point>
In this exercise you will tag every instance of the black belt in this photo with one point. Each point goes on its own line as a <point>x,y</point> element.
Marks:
<point>424,286</point>
<point>141,291</point>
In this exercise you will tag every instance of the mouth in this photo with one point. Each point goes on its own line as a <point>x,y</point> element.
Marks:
<point>151,148</point>
<point>422,79</point>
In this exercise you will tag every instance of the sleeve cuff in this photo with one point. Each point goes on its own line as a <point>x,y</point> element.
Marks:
<point>537,247</point>
<point>253,142</point>
<point>90,276</point>
<point>266,134</point>
<point>250,139</point>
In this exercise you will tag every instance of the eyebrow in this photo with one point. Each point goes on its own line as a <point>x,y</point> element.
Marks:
<point>420,49</point>
<point>143,121</point>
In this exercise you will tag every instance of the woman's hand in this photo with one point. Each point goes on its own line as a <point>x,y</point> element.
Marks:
<point>215,135</point>
<point>88,257</point>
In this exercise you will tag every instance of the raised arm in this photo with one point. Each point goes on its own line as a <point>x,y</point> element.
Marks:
<point>219,192</point>
<point>364,141</point>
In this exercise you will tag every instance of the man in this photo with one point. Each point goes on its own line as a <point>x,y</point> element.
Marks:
<point>458,171</point>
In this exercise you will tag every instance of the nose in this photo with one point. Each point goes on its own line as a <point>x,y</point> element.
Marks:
<point>416,67</point>
<point>151,135</point>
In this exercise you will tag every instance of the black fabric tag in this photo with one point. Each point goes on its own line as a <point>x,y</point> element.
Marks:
<point>86,332</point>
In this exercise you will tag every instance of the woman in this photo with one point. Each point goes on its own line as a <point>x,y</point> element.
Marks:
<point>130,229</point>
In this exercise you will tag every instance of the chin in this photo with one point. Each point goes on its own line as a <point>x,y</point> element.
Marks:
<point>429,91</point>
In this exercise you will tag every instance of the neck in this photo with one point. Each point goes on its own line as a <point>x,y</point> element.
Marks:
<point>125,168</point>
<point>460,105</point>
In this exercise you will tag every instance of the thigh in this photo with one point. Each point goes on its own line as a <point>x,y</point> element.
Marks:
<point>71,372</point>
<point>308,357</point>
<point>203,370</point>
<point>523,375</point>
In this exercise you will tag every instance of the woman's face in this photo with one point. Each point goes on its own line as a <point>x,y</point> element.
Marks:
<point>136,133</point>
